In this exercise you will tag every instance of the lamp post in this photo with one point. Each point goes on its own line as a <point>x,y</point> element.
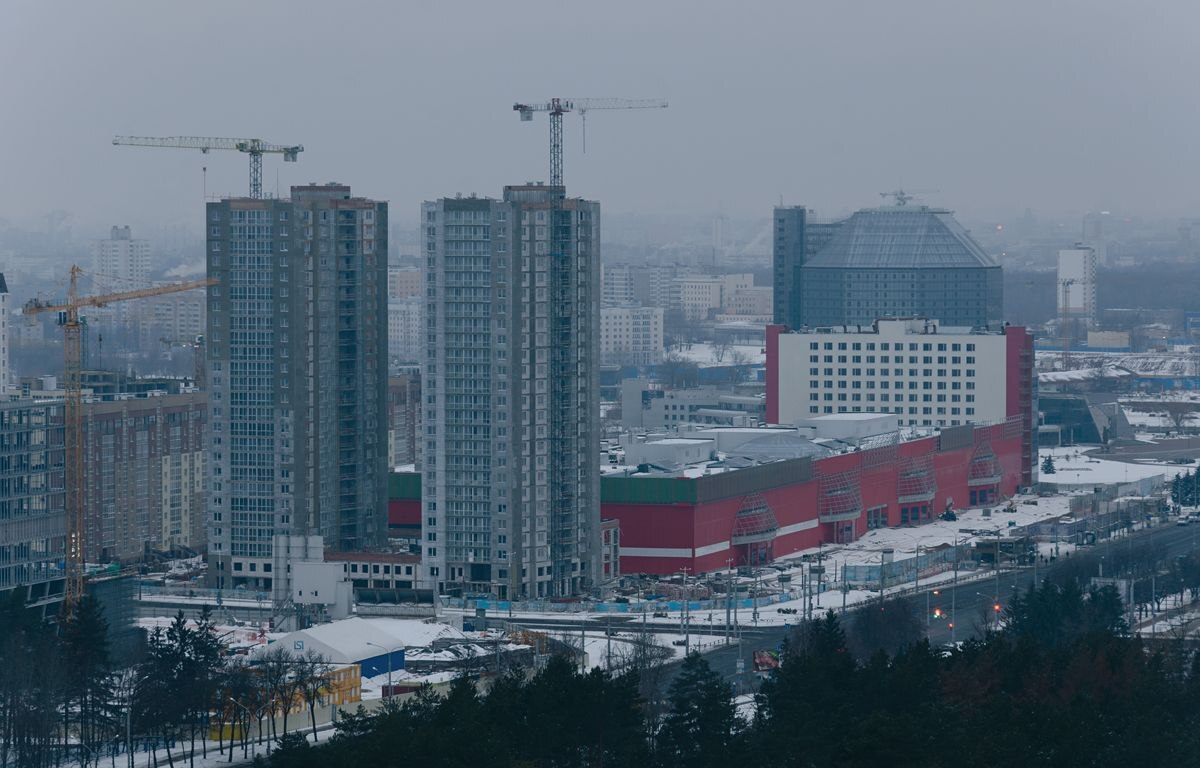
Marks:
<point>389,658</point>
<point>245,740</point>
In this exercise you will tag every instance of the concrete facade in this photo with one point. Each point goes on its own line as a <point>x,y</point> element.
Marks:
<point>511,492</point>
<point>297,351</point>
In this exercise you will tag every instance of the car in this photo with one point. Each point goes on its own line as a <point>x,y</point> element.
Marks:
<point>1184,520</point>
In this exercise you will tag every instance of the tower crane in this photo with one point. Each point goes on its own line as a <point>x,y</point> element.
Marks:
<point>256,148</point>
<point>73,408</point>
<point>559,107</point>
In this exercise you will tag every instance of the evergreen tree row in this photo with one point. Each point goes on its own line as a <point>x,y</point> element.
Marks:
<point>1063,685</point>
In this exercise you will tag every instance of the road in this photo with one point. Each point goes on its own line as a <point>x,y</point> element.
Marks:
<point>1162,450</point>
<point>971,600</point>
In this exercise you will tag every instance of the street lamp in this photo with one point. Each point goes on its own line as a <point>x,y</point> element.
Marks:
<point>389,653</point>
<point>245,741</point>
<point>995,608</point>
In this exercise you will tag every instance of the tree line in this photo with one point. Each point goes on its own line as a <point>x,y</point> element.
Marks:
<point>1062,684</point>
<point>62,699</point>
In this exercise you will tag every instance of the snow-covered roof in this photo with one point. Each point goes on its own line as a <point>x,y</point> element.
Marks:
<point>354,639</point>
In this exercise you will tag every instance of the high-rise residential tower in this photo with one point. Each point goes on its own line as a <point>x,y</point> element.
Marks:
<point>510,474</point>
<point>297,366</point>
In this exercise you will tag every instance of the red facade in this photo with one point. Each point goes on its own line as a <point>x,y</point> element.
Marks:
<point>705,524</point>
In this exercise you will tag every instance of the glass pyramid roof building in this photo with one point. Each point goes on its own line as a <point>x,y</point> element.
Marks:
<point>901,237</point>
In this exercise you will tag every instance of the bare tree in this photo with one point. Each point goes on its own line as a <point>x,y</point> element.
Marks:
<point>313,681</point>
<point>677,372</point>
<point>1178,412</point>
<point>720,349</point>
<point>739,361</point>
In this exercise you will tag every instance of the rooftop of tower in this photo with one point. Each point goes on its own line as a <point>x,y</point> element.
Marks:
<point>901,237</point>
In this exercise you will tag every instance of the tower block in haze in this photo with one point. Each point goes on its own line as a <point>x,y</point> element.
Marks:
<point>297,367</point>
<point>510,471</point>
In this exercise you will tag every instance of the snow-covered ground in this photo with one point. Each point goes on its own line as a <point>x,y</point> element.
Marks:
<point>1073,466</point>
<point>706,355</point>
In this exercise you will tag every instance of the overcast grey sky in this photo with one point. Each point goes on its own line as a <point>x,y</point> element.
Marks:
<point>1063,106</point>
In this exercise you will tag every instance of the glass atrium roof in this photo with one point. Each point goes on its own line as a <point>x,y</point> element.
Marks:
<point>901,237</point>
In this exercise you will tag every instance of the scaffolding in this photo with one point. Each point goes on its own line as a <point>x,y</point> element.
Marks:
<point>880,450</point>
<point>985,467</point>
<point>841,496</point>
<point>755,522</point>
<point>915,480</point>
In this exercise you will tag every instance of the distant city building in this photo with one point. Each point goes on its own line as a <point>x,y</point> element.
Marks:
<point>32,501</point>
<point>1076,294</point>
<point>645,285</point>
<point>926,373</point>
<point>297,368</point>
<point>511,422</point>
<point>405,333</point>
<point>894,261</point>
<point>171,319</point>
<point>698,297</point>
<point>144,470</point>
<point>122,263</point>
<point>405,282</point>
<point>749,301</point>
<point>404,419</point>
<point>618,284</point>
<point>631,335</point>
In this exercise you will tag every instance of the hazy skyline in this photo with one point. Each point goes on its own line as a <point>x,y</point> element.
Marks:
<point>1062,107</point>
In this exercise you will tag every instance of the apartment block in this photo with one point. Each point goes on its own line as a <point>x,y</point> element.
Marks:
<point>297,364</point>
<point>631,335</point>
<point>511,422</point>
<point>144,468</point>
<point>33,523</point>
<point>406,335</point>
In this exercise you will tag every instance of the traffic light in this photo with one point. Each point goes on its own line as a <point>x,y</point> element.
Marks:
<point>937,613</point>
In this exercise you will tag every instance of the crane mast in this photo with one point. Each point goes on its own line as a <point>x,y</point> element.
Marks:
<point>73,479</point>
<point>255,148</point>
<point>556,108</point>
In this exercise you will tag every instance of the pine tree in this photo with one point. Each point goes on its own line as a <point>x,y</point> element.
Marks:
<point>89,693</point>
<point>702,725</point>
<point>1048,465</point>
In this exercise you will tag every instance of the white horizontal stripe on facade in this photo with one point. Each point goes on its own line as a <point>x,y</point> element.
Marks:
<point>720,546</point>
<point>794,527</point>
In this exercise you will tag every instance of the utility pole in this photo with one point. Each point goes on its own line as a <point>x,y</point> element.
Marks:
<point>728,594</point>
<point>954,597</point>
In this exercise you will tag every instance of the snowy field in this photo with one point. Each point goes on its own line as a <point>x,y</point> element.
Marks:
<point>1073,466</point>
<point>706,355</point>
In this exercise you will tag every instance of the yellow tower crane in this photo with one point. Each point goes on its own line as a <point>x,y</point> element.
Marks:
<point>73,408</point>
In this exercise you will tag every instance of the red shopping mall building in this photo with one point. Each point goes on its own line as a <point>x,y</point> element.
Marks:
<point>754,514</point>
